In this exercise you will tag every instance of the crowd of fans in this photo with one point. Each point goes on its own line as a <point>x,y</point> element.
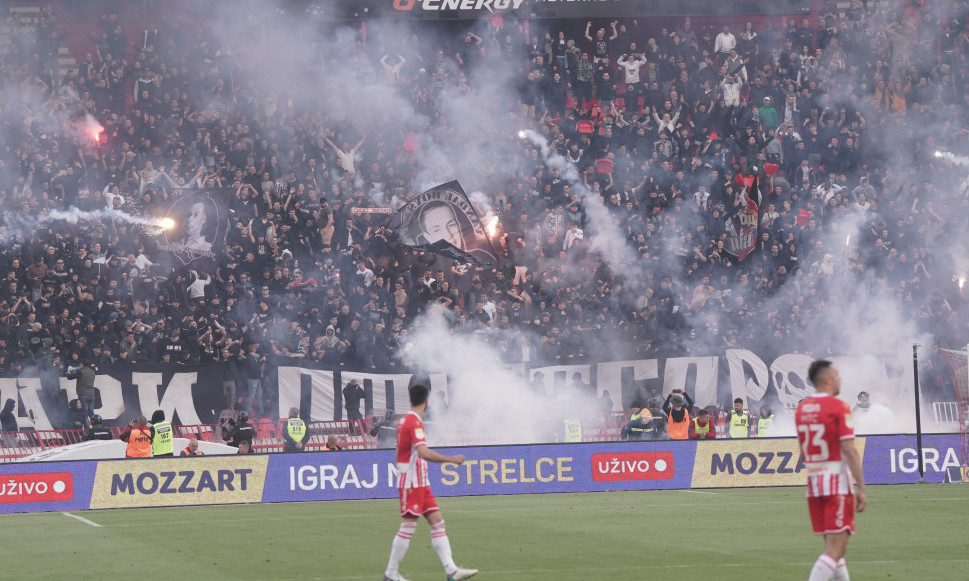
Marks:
<point>658,122</point>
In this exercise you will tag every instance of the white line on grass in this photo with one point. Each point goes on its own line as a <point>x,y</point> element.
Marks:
<point>517,509</point>
<point>82,519</point>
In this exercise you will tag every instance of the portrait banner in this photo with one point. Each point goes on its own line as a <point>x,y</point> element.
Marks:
<point>443,221</point>
<point>198,227</point>
<point>742,224</point>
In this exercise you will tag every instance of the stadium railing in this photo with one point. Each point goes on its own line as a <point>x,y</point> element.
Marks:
<point>351,435</point>
<point>946,414</point>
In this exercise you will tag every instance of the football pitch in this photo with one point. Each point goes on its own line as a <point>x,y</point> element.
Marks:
<point>908,532</point>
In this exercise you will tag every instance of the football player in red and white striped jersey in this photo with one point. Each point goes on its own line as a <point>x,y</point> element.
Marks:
<point>416,498</point>
<point>827,442</point>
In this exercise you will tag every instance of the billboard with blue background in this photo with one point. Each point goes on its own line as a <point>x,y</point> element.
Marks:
<point>372,474</point>
<point>486,470</point>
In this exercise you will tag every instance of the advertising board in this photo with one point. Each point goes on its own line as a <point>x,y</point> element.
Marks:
<point>372,474</point>
<point>46,487</point>
<point>177,481</point>
<point>894,459</point>
<point>749,462</point>
<point>486,471</point>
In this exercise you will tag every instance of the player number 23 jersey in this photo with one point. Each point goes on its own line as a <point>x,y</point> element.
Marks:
<point>823,422</point>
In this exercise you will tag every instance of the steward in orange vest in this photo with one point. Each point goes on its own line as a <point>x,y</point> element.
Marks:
<point>677,407</point>
<point>139,436</point>
<point>192,449</point>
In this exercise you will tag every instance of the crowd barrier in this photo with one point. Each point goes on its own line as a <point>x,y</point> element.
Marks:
<point>491,470</point>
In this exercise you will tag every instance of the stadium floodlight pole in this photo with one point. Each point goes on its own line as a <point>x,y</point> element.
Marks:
<point>918,414</point>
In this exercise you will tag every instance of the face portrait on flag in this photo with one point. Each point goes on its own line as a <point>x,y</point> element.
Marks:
<point>193,226</point>
<point>198,227</point>
<point>442,220</point>
<point>439,220</point>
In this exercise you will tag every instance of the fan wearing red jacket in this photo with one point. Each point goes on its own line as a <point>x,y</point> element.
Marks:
<point>416,498</point>
<point>827,442</point>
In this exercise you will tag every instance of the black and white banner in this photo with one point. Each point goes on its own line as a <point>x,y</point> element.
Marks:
<point>193,394</point>
<point>190,395</point>
<point>442,220</point>
<point>198,227</point>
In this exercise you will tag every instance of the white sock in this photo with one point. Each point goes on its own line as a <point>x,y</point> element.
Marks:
<point>442,545</point>
<point>399,547</point>
<point>823,569</point>
<point>841,571</point>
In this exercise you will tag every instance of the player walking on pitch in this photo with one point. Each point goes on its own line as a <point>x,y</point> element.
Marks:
<point>827,441</point>
<point>416,498</point>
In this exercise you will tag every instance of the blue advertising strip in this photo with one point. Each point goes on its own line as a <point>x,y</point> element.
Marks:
<point>486,471</point>
<point>56,486</point>
<point>894,459</point>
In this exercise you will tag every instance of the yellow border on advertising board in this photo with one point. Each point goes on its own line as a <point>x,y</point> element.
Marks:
<point>750,462</point>
<point>179,481</point>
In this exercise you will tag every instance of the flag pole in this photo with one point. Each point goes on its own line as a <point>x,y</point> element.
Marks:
<point>918,413</point>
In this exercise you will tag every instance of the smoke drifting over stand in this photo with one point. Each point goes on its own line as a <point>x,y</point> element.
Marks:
<point>871,277</point>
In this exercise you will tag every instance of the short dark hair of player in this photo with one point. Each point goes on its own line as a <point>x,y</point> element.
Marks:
<point>738,400</point>
<point>817,369</point>
<point>702,413</point>
<point>418,394</point>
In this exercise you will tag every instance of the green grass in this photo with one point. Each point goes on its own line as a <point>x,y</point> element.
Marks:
<point>908,532</point>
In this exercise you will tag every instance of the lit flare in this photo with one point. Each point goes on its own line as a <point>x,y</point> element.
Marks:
<point>492,227</point>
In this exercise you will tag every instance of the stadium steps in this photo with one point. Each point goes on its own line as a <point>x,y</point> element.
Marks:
<point>25,12</point>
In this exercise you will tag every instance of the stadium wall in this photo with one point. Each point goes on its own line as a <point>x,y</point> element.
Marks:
<point>492,470</point>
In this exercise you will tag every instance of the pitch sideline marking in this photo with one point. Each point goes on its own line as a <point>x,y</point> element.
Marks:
<point>456,511</point>
<point>82,519</point>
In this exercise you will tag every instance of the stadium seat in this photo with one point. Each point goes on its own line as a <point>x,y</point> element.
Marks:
<point>265,428</point>
<point>585,126</point>
<point>604,166</point>
<point>620,102</point>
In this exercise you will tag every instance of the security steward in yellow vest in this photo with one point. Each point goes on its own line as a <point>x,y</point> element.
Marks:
<point>764,421</point>
<point>163,443</point>
<point>738,421</point>
<point>573,430</point>
<point>702,428</point>
<point>677,408</point>
<point>295,433</point>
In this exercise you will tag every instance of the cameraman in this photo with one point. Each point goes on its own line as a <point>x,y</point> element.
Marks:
<point>239,430</point>
<point>386,431</point>
<point>97,431</point>
<point>84,374</point>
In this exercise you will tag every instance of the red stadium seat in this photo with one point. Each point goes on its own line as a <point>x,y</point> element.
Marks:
<point>585,126</point>
<point>604,165</point>
<point>265,428</point>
